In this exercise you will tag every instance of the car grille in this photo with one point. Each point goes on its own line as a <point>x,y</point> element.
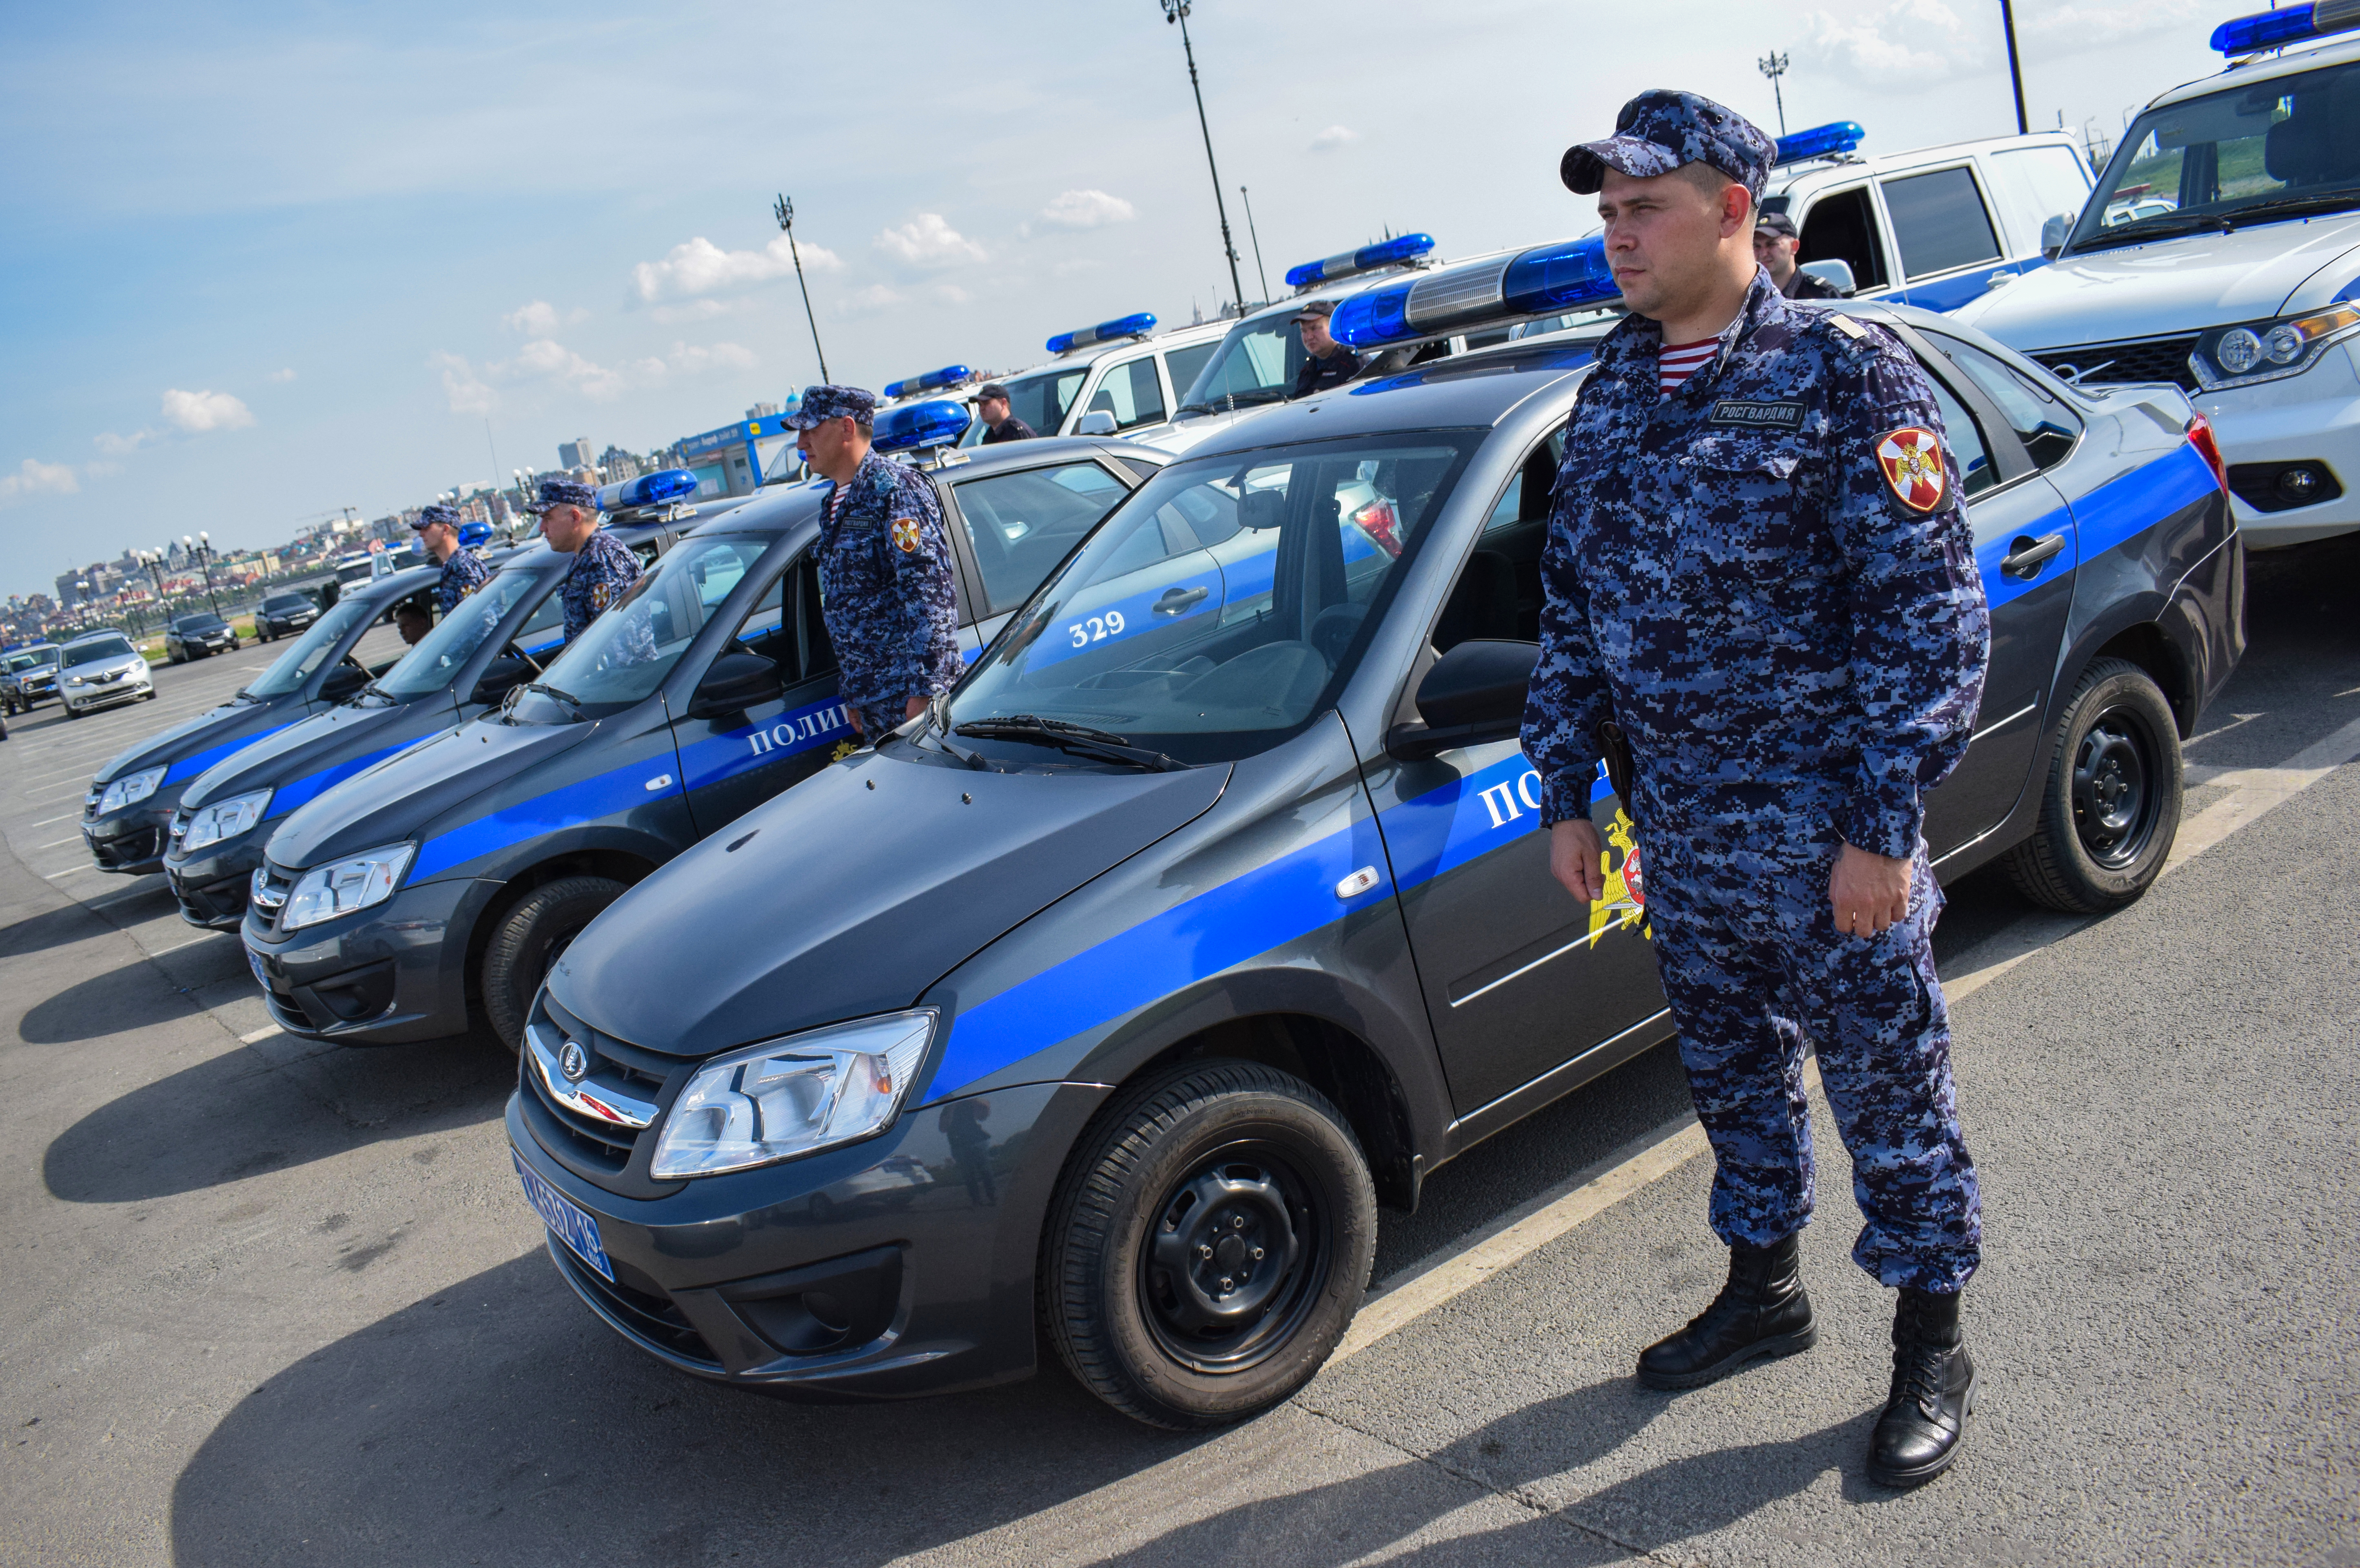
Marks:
<point>180,818</point>
<point>626,1076</point>
<point>2135,359</point>
<point>269,889</point>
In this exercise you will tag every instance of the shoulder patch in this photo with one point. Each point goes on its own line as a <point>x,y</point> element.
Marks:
<point>905,534</point>
<point>1911,458</point>
<point>1847,326</point>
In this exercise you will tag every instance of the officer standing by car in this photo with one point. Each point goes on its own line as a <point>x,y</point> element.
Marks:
<point>1000,420</point>
<point>1326,362</point>
<point>884,566</point>
<point>1776,245</point>
<point>604,567</point>
<point>464,570</point>
<point>1760,571</point>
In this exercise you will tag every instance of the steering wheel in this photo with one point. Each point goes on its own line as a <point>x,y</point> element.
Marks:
<point>537,668</point>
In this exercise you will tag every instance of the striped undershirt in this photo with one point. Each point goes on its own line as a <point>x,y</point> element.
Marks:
<point>1675,363</point>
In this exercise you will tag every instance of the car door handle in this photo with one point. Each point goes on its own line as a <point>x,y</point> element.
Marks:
<point>2005,274</point>
<point>1175,599</point>
<point>2025,555</point>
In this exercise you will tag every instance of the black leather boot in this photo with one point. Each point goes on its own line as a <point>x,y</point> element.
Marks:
<point>1761,1312</point>
<point>1925,1419</point>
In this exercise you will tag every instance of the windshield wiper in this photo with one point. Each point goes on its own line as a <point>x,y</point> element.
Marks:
<point>2162,227</point>
<point>938,716</point>
<point>2291,206</point>
<point>1079,739</point>
<point>568,698</point>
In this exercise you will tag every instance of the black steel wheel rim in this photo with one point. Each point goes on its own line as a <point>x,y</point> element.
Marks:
<point>1236,1256</point>
<point>2117,797</point>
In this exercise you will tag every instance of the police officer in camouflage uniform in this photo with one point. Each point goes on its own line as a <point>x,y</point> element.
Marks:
<point>604,567</point>
<point>1758,568</point>
<point>464,570</point>
<point>884,566</point>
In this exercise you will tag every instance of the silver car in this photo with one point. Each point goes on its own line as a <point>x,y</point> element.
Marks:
<point>100,669</point>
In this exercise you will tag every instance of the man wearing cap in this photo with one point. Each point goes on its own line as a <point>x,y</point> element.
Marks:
<point>1326,362</point>
<point>1776,244</point>
<point>604,567</point>
<point>884,567</point>
<point>1000,421</point>
<point>1745,573</point>
<point>464,570</point>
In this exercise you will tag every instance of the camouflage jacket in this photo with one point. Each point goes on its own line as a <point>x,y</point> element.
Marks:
<point>1768,577</point>
<point>885,585</point>
<point>601,569</point>
<point>462,575</point>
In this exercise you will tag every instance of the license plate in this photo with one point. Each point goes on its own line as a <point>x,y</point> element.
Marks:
<point>564,1218</point>
<point>261,975</point>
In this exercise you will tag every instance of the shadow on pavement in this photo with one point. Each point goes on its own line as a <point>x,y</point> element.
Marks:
<point>498,1421</point>
<point>133,996</point>
<point>52,928</point>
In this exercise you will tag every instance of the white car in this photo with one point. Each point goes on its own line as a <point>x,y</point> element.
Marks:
<point>100,669</point>
<point>2221,253</point>
<point>1115,378</point>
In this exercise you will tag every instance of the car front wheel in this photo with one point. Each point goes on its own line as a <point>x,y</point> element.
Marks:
<point>2110,804</point>
<point>1208,1244</point>
<point>528,941</point>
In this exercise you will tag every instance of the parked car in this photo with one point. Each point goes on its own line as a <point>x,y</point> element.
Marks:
<point>100,669</point>
<point>199,636</point>
<point>30,675</point>
<point>283,614</point>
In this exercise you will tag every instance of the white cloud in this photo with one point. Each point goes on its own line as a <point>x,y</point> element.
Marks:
<point>36,478</point>
<point>201,412</point>
<point>1906,41</point>
<point>546,362</point>
<point>467,391</point>
<point>1333,137</point>
<point>1088,210</point>
<point>928,240</point>
<point>541,318</point>
<point>869,301</point>
<point>695,311</point>
<point>108,441</point>
<point>2065,28</point>
<point>1070,268</point>
<point>280,377</point>
<point>700,267</point>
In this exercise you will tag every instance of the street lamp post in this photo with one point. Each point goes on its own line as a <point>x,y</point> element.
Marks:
<point>1774,68</point>
<point>1177,11</point>
<point>2014,71</point>
<point>1253,234</point>
<point>785,213</point>
<point>202,548</point>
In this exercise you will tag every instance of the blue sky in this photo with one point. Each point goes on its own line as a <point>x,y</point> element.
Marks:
<point>266,260</point>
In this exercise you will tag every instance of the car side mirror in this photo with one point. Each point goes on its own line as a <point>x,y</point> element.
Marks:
<point>2052,234</point>
<point>1834,272</point>
<point>1474,694</point>
<point>344,680</point>
<point>501,677</point>
<point>736,683</point>
<point>1098,422</point>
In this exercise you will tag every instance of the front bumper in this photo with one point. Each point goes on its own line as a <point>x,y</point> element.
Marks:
<point>83,699</point>
<point>210,885</point>
<point>890,1268</point>
<point>131,841</point>
<point>389,974</point>
<point>2312,417</point>
<point>40,691</point>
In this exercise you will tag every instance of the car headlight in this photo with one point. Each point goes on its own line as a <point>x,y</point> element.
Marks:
<point>76,681</point>
<point>129,790</point>
<point>343,886</point>
<point>2267,350</point>
<point>792,1097</point>
<point>224,819</point>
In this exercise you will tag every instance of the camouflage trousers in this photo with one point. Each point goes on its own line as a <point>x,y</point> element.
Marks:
<point>1755,971</point>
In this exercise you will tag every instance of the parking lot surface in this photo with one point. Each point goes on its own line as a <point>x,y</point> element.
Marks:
<point>270,1302</point>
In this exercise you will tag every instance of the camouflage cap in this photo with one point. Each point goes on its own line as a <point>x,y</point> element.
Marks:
<point>1660,130</point>
<point>437,513</point>
<point>826,402</point>
<point>565,492</point>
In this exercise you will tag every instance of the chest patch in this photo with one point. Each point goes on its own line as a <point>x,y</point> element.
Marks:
<point>1912,460</point>
<point>905,534</point>
<point>1753,416</point>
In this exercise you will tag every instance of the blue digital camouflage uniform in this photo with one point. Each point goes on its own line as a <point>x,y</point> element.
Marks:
<point>464,572</point>
<point>1796,652</point>
<point>603,568</point>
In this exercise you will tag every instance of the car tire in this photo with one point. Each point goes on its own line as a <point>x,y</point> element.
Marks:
<point>2110,805</point>
<point>1158,1189</point>
<point>528,941</point>
<point>72,712</point>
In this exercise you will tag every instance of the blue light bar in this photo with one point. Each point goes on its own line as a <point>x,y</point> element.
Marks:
<point>2292,24</point>
<point>1137,326</point>
<point>1821,141</point>
<point>1385,253</point>
<point>473,534</point>
<point>646,490</point>
<point>1542,281</point>
<point>948,375</point>
<point>915,425</point>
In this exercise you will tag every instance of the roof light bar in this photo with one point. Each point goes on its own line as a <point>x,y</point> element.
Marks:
<point>646,490</point>
<point>1821,141</point>
<point>913,425</point>
<point>1540,281</point>
<point>948,375</point>
<point>1385,253</point>
<point>1137,326</point>
<point>2287,24</point>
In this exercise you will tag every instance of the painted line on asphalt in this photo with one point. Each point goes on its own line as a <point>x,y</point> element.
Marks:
<point>53,875</point>
<point>45,821</point>
<point>71,838</point>
<point>259,1035</point>
<point>161,951</point>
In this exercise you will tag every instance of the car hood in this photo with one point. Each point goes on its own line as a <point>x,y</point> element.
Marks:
<point>194,745</point>
<point>307,759</point>
<point>2173,286</point>
<point>852,894</point>
<point>403,796</point>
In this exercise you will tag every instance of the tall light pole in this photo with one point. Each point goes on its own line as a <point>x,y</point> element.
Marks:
<point>1774,66</point>
<point>1177,11</point>
<point>1260,271</point>
<point>202,547</point>
<point>785,213</point>
<point>2014,71</point>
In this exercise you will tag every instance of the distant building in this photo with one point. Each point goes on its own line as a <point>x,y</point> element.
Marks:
<point>618,465</point>
<point>576,453</point>
<point>762,410</point>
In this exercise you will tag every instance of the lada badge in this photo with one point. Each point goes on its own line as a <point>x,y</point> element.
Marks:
<point>573,1063</point>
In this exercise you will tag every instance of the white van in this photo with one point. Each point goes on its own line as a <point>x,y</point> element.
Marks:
<point>1110,379</point>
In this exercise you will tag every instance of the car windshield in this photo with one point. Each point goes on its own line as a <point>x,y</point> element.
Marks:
<point>1042,400</point>
<point>624,655</point>
<point>1221,606</point>
<point>286,603</point>
<point>2287,147</point>
<point>1256,364</point>
<point>311,649</point>
<point>436,662</point>
<point>97,651</point>
<point>200,623</point>
<point>42,657</point>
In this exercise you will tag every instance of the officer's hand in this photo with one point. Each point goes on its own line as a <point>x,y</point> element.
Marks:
<point>852,717</point>
<point>1577,858</point>
<point>914,707</point>
<point>1870,891</point>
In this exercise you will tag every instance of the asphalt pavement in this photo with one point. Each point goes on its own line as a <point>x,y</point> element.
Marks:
<point>273,1303</point>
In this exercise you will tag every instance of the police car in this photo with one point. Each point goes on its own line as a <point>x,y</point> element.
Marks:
<point>129,804</point>
<point>31,674</point>
<point>2222,254</point>
<point>434,888</point>
<point>1119,377</point>
<point>495,639</point>
<point>1170,952</point>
